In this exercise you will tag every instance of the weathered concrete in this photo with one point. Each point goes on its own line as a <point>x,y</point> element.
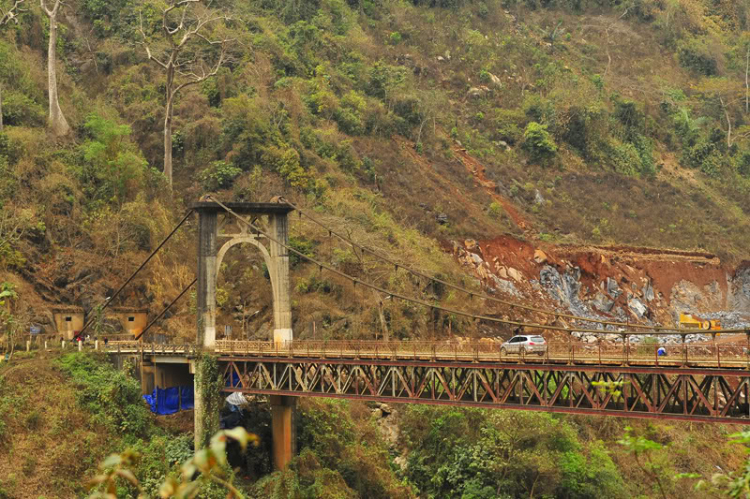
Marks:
<point>206,285</point>
<point>282,302</point>
<point>277,261</point>
<point>283,430</point>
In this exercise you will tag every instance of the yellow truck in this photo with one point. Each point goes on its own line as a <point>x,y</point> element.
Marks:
<point>689,321</point>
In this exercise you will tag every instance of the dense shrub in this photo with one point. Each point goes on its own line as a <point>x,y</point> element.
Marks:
<point>694,55</point>
<point>111,168</point>
<point>475,453</point>
<point>539,143</point>
<point>111,396</point>
<point>20,110</point>
<point>220,175</point>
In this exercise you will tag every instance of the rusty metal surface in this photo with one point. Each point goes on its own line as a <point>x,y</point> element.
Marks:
<point>689,355</point>
<point>646,393</point>
<point>244,208</point>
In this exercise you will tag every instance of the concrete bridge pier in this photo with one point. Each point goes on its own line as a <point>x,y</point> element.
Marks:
<point>283,430</point>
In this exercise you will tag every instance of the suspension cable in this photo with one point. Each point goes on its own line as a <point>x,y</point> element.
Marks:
<point>462,289</point>
<point>161,314</point>
<point>487,318</point>
<point>132,276</point>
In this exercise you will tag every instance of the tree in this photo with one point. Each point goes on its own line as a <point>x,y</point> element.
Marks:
<point>184,23</point>
<point>7,16</point>
<point>207,466</point>
<point>57,122</point>
<point>8,296</point>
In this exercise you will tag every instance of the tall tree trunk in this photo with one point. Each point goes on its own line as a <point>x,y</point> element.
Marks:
<point>747,83</point>
<point>168,112</point>
<point>1,108</point>
<point>57,122</point>
<point>168,142</point>
<point>729,123</point>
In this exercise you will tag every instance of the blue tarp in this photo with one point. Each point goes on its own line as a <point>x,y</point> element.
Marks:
<point>233,380</point>
<point>187,395</point>
<point>170,400</point>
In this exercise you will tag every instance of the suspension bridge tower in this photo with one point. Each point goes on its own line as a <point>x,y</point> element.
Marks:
<point>213,244</point>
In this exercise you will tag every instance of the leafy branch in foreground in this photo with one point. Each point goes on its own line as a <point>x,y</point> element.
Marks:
<point>207,465</point>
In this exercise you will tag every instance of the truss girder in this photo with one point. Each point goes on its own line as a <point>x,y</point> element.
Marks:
<point>673,394</point>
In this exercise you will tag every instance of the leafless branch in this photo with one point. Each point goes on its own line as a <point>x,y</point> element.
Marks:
<point>51,13</point>
<point>195,78</point>
<point>10,15</point>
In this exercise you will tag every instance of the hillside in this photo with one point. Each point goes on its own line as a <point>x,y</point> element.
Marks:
<point>591,157</point>
<point>411,124</point>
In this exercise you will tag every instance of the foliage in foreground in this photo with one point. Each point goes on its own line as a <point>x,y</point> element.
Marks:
<point>208,465</point>
<point>481,454</point>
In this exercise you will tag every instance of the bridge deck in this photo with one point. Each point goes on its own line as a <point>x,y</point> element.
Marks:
<point>688,356</point>
<point>695,384</point>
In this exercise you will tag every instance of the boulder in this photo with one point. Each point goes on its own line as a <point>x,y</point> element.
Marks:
<point>476,259</point>
<point>496,81</point>
<point>648,292</point>
<point>538,198</point>
<point>612,288</point>
<point>602,302</point>
<point>477,92</point>
<point>637,307</point>
<point>515,274</point>
<point>540,256</point>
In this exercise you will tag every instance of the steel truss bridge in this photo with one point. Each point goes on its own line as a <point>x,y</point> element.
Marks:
<point>706,388</point>
<point>695,382</point>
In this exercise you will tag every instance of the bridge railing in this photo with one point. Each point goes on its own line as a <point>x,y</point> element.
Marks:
<point>709,354</point>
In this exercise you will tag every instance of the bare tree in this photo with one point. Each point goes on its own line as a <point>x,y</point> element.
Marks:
<point>747,81</point>
<point>57,122</point>
<point>7,16</point>
<point>184,22</point>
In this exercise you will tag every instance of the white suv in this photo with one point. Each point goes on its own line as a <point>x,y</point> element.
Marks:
<point>529,344</point>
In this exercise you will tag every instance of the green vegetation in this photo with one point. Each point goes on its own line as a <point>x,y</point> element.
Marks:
<point>382,117</point>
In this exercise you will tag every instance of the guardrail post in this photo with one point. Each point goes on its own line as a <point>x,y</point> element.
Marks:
<point>718,356</point>
<point>599,344</point>
<point>684,347</point>
<point>45,344</point>
<point>28,345</point>
<point>656,355</point>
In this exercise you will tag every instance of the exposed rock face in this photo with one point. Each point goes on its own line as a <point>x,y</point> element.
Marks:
<point>602,302</point>
<point>613,284</point>
<point>637,307</point>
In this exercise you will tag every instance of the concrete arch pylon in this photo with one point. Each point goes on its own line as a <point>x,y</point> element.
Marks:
<point>250,239</point>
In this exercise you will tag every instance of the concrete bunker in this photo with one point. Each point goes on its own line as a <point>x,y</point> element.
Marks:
<point>132,319</point>
<point>69,320</point>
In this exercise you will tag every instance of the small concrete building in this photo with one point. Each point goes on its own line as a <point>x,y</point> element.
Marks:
<point>69,319</point>
<point>133,319</point>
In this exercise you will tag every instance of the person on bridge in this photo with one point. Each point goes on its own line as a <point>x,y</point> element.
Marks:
<point>661,351</point>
